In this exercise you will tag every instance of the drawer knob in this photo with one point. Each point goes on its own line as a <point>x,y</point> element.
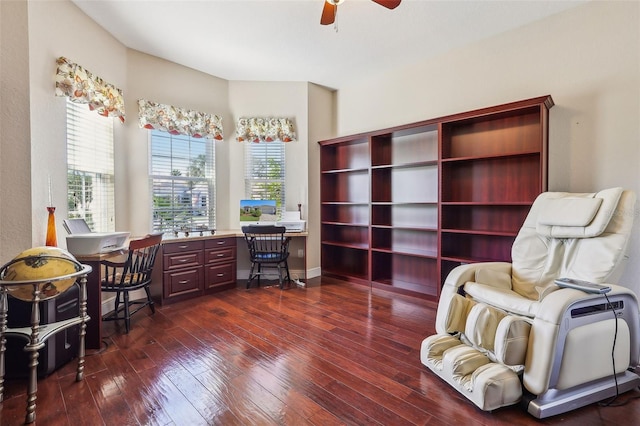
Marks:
<point>221,275</point>
<point>183,282</point>
<point>183,246</point>
<point>182,260</point>
<point>220,255</point>
<point>221,242</point>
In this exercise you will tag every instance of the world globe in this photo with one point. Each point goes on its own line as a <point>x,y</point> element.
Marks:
<point>40,264</point>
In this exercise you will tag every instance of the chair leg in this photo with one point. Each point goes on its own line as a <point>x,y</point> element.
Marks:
<point>127,315</point>
<point>117,304</point>
<point>259,272</point>
<point>250,275</point>
<point>280,275</point>
<point>286,265</point>
<point>150,300</point>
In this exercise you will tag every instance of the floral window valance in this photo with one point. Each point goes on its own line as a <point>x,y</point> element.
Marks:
<point>256,129</point>
<point>179,121</point>
<point>82,87</point>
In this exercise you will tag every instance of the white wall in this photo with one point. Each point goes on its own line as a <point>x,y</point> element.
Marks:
<point>587,58</point>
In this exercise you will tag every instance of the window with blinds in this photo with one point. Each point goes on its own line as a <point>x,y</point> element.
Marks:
<point>90,175</point>
<point>182,182</point>
<point>265,172</point>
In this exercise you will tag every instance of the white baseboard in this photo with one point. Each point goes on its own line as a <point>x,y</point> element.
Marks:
<point>243,274</point>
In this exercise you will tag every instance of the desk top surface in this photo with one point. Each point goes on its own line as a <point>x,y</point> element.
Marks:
<point>194,236</point>
<point>171,238</point>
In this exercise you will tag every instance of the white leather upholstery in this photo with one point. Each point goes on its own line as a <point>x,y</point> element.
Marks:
<point>501,326</point>
<point>541,253</point>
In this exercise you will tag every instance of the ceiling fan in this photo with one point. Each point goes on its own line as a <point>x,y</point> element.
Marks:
<point>331,9</point>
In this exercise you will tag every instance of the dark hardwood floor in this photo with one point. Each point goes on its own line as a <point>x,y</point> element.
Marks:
<point>329,354</point>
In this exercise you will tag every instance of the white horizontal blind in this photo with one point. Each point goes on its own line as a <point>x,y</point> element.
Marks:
<point>264,172</point>
<point>90,170</point>
<point>182,182</point>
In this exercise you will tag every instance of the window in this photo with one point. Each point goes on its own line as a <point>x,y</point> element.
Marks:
<point>182,182</point>
<point>90,175</point>
<point>264,172</point>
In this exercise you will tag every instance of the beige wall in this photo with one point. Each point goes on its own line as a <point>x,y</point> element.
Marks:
<point>157,80</point>
<point>263,99</point>
<point>15,147</point>
<point>306,104</point>
<point>60,29</point>
<point>322,125</point>
<point>587,58</point>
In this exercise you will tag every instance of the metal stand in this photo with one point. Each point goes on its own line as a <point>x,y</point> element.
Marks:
<point>36,335</point>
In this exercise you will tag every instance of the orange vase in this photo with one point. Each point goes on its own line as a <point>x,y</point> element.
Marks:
<point>51,240</point>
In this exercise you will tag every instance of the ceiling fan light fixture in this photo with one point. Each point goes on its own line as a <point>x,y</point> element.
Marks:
<point>330,9</point>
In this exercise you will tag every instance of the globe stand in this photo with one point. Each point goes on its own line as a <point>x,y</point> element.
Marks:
<point>36,335</point>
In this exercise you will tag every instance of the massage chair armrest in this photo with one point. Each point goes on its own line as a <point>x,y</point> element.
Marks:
<point>465,273</point>
<point>554,305</point>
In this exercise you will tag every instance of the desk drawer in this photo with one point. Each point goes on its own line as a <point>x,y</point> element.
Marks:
<point>183,282</point>
<point>219,255</point>
<point>182,246</point>
<point>182,260</point>
<point>217,275</point>
<point>218,243</point>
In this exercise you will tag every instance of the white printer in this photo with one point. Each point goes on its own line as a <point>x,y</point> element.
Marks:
<point>96,242</point>
<point>292,221</point>
<point>81,241</point>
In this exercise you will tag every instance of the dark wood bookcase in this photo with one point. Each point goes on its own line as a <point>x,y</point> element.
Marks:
<point>401,207</point>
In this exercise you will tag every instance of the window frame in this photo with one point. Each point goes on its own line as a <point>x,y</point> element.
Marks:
<point>90,157</point>
<point>176,216</point>
<point>272,150</point>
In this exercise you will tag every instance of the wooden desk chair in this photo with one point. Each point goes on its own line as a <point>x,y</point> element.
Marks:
<point>132,274</point>
<point>268,248</point>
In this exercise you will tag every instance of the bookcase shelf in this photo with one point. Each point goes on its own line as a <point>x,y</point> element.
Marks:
<point>401,207</point>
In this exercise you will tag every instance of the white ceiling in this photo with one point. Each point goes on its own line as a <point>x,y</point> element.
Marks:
<point>282,40</point>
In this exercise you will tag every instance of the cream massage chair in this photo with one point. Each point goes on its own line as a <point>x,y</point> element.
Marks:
<point>507,334</point>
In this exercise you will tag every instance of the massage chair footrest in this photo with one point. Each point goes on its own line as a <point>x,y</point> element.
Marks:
<point>487,384</point>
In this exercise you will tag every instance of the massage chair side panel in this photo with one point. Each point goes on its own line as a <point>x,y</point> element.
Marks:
<point>569,360</point>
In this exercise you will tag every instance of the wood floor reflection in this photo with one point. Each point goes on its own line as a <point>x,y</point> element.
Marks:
<point>329,354</point>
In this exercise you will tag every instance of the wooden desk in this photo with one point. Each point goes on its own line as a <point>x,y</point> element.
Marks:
<point>94,295</point>
<point>93,339</point>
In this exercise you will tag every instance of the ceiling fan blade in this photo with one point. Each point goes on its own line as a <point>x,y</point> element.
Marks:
<point>328,13</point>
<point>389,4</point>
